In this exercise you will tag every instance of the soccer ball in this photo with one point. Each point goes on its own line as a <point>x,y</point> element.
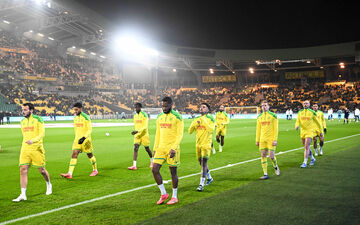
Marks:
<point>107,134</point>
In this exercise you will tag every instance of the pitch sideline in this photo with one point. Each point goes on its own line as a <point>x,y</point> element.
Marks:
<point>150,185</point>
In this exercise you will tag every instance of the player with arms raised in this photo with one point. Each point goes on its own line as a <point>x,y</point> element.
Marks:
<point>266,137</point>
<point>204,127</point>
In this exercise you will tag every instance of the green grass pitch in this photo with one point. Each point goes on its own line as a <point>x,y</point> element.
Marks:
<point>324,194</point>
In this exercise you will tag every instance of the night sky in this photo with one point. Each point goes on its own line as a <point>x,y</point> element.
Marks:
<point>235,24</point>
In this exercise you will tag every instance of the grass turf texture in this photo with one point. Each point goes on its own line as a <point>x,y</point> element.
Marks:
<point>114,155</point>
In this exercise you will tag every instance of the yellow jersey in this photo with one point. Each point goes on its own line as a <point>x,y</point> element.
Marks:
<point>82,126</point>
<point>320,116</point>
<point>33,129</point>
<point>169,131</point>
<point>307,121</point>
<point>204,129</point>
<point>222,119</point>
<point>267,127</point>
<point>141,124</point>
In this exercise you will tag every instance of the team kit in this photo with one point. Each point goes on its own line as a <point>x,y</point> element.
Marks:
<point>169,133</point>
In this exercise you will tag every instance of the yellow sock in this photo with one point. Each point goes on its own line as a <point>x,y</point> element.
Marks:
<point>264,164</point>
<point>274,161</point>
<point>93,162</point>
<point>72,165</point>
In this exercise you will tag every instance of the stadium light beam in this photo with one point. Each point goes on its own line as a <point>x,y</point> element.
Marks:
<point>50,38</point>
<point>132,46</point>
<point>40,34</point>
<point>5,21</point>
<point>83,50</point>
<point>92,53</point>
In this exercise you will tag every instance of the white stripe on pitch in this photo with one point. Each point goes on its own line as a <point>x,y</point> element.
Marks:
<point>147,186</point>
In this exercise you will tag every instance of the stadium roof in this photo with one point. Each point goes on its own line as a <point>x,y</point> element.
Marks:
<point>65,22</point>
<point>79,23</point>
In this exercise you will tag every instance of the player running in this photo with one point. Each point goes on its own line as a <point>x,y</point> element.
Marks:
<point>308,123</point>
<point>32,149</point>
<point>141,134</point>
<point>320,116</point>
<point>266,137</point>
<point>204,126</point>
<point>169,132</point>
<point>82,141</point>
<point>222,120</point>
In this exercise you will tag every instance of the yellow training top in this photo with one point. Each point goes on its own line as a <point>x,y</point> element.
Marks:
<point>141,124</point>
<point>33,129</point>
<point>320,116</point>
<point>169,131</point>
<point>82,126</point>
<point>204,129</point>
<point>267,127</point>
<point>222,119</point>
<point>307,120</point>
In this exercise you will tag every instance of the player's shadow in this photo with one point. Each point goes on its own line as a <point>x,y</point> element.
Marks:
<point>222,178</point>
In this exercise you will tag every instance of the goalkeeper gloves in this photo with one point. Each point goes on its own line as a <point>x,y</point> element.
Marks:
<point>81,140</point>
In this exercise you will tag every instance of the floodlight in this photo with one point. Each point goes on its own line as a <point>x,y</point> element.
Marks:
<point>132,46</point>
<point>251,70</point>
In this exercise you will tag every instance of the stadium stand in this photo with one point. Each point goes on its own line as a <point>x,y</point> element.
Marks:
<point>34,72</point>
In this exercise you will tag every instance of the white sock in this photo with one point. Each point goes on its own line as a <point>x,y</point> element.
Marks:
<point>220,148</point>
<point>320,149</point>
<point>134,163</point>
<point>312,156</point>
<point>48,183</point>
<point>162,189</point>
<point>151,159</point>
<point>174,195</point>
<point>305,160</point>
<point>208,175</point>
<point>202,181</point>
<point>70,173</point>
<point>23,191</point>
<point>316,150</point>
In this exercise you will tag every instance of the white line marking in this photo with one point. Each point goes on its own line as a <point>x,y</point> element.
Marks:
<point>147,186</point>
